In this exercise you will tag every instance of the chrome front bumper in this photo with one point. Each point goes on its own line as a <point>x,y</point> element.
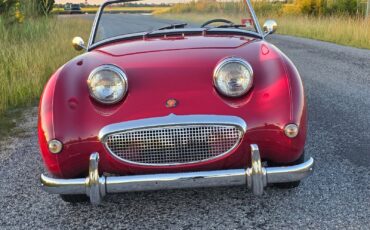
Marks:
<point>256,177</point>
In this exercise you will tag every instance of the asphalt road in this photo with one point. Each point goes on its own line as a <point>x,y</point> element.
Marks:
<point>113,25</point>
<point>336,196</point>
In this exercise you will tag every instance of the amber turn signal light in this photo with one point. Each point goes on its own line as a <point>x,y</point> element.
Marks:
<point>55,146</point>
<point>291,130</point>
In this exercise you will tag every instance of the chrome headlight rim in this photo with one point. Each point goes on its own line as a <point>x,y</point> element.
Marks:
<point>229,60</point>
<point>122,75</point>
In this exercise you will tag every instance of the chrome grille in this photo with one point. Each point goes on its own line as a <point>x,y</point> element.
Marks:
<point>175,144</point>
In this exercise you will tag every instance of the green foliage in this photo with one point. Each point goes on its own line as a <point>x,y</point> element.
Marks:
<point>45,6</point>
<point>6,6</point>
<point>343,6</point>
<point>10,11</point>
<point>324,7</point>
<point>34,8</point>
<point>268,8</point>
<point>208,6</point>
<point>16,10</point>
<point>264,8</point>
<point>30,52</point>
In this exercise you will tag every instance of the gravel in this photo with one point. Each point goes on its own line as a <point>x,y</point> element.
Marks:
<point>336,196</point>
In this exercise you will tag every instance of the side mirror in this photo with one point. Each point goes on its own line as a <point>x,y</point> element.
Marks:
<point>78,43</point>
<point>270,26</point>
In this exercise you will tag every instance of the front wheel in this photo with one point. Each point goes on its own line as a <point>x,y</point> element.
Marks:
<point>287,185</point>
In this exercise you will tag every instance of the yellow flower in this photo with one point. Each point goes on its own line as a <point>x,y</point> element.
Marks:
<point>18,14</point>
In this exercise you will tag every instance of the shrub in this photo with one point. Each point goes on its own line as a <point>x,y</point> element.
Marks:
<point>268,8</point>
<point>34,8</point>
<point>208,6</point>
<point>6,6</point>
<point>10,11</point>
<point>291,9</point>
<point>264,8</point>
<point>15,10</point>
<point>45,6</point>
<point>343,7</point>
<point>322,7</point>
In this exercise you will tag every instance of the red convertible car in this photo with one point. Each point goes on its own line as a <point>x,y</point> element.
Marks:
<point>159,104</point>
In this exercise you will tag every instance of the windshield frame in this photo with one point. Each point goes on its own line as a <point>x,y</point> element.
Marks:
<point>92,44</point>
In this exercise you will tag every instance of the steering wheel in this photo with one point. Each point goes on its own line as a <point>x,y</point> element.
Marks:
<point>216,20</point>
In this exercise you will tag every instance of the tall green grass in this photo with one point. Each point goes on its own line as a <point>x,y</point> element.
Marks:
<point>30,52</point>
<point>343,30</point>
<point>263,7</point>
<point>340,28</point>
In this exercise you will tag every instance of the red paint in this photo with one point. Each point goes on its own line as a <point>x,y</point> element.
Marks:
<point>161,69</point>
<point>247,22</point>
<point>264,50</point>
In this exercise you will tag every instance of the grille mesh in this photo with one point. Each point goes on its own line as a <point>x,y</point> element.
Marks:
<point>174,144</point>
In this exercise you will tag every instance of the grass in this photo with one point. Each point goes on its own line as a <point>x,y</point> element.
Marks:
<point>344,30</point>
<point>93,10</point>
<point>29,53</point>
<point>349,31</point>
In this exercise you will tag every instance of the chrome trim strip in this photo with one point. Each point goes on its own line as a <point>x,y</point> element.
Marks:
<point>255,176</point>
<point>231,30</point>
<point>173,121</point>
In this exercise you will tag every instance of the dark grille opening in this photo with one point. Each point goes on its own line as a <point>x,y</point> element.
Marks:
<point>171,145</point>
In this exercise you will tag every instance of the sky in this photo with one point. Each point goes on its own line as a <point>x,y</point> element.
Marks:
<point>101,1</point>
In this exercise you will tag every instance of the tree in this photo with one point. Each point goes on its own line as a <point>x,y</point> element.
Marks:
<point>6,6</point>
<point>45,6</point>
<point>10,11</point>
<point>35,8</point>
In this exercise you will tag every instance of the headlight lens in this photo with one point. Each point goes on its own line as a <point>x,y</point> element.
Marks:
<point>233,77</point>
<point>107,84</point>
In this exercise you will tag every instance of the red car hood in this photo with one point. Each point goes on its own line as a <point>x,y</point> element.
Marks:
<point>174,43</point>
<point>159,69</point>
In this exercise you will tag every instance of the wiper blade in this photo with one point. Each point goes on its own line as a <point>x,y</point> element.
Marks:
<point>172,26</point>
<point>231,26</point>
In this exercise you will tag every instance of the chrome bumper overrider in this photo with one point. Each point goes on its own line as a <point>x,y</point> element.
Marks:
<point>256,177</point>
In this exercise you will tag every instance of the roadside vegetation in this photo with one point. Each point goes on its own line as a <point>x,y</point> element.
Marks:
<point>34,43</point>
<point>143,9</point>
<point>32,47</point>
<point>341,21</point>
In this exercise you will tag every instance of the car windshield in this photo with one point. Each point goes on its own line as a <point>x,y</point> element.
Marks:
<point>75,6</point>
<point>131,18</point>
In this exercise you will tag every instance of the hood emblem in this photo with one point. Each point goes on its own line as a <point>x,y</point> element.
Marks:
<point>171,103</point>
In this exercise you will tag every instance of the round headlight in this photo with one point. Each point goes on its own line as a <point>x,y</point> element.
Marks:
<point>107,84</point>
<point>233,77</point>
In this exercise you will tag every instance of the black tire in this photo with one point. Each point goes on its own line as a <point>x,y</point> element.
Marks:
<point>287,185</point>
<point>73,199</point>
